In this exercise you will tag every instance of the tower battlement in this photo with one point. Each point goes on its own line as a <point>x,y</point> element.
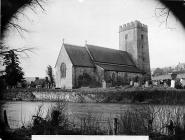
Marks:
<point>134,24</point>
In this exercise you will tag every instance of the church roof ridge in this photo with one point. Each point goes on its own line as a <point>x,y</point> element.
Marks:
<point>102,47</point>
<point>92,55</point>
<point>78,55</point>
<point>107,48</point>
<point>108,55</point>
<point>72,45</point>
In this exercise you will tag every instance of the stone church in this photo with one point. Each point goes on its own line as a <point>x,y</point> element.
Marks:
<point>91,64</point>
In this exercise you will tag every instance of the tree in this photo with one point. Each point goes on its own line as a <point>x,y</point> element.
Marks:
<point>177,7</point>
<point>14,73</point>
<point>50,75</point>
<point>84,80</point>
<point>158,71</point>
<point>9,12</point>
<point>11,8</point>
<point>171,6</point>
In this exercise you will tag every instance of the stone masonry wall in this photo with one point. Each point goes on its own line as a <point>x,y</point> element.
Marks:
<point>67,81</point>
<point>133,38</point>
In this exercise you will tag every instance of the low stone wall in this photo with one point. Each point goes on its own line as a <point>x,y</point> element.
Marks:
<point>50,95</point>
<point>54,96</point>
<point>149,95</point>
<point>18,95</point>
<point>66,96</point>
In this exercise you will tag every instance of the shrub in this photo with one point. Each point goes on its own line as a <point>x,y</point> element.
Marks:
<point>94,83</point>
<point>55,122</point>
<point>84,80</point>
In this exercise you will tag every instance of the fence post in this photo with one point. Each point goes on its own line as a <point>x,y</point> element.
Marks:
<point>115,126</point>
<point>150,129</point>
<point>5,119</point>
<point>170,128</point>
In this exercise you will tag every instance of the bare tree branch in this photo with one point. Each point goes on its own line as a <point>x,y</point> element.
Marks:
<point>37,2</point>
<point>18,28</point>
<point>167,15</point>
<point>11,9</point>
<point>19,50</point>
<point>163,12</point>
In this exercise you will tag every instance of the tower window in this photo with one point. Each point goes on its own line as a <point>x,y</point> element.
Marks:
<point>142,37</point>
<point>143,59</point>
<point>126,36</point>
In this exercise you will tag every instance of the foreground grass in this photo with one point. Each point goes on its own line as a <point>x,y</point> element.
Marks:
<point>146,120</point>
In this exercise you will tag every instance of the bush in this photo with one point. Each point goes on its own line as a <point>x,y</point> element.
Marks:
<point>84,80</point>
<point>2,85</point>
<point>55,122</point>
<point>94,83</point>
<point>178,84</point>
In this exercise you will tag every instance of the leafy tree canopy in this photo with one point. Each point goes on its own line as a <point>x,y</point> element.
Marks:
<point>14,73</point>
<point>158,71</point>
<point>50,75</point>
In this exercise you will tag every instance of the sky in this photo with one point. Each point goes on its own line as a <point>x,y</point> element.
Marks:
<point>94,21</point>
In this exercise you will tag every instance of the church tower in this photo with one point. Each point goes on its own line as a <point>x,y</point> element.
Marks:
<point>133,38</point>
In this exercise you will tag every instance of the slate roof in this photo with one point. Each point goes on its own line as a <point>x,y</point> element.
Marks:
<point>119,68</point>
<point>111,56</point>
<point>108,59</point>
<point>79,55</point>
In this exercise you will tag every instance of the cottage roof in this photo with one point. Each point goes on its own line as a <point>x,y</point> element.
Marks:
<point>110,56</point>
<point>79,55</point>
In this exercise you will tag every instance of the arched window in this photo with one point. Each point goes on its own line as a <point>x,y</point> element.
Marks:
<point>113,76</point>
<point>63,70</point>
<point>126,36</point>
<point>142,37</point>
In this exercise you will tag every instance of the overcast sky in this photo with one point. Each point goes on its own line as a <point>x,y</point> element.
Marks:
<point>96,21</point>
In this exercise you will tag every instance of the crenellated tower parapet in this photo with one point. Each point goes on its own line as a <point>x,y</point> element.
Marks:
<point>132,25</point>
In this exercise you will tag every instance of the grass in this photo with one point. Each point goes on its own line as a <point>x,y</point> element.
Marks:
<point>138,95</point>
<point>153,122</point>
<point>143,120</point>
